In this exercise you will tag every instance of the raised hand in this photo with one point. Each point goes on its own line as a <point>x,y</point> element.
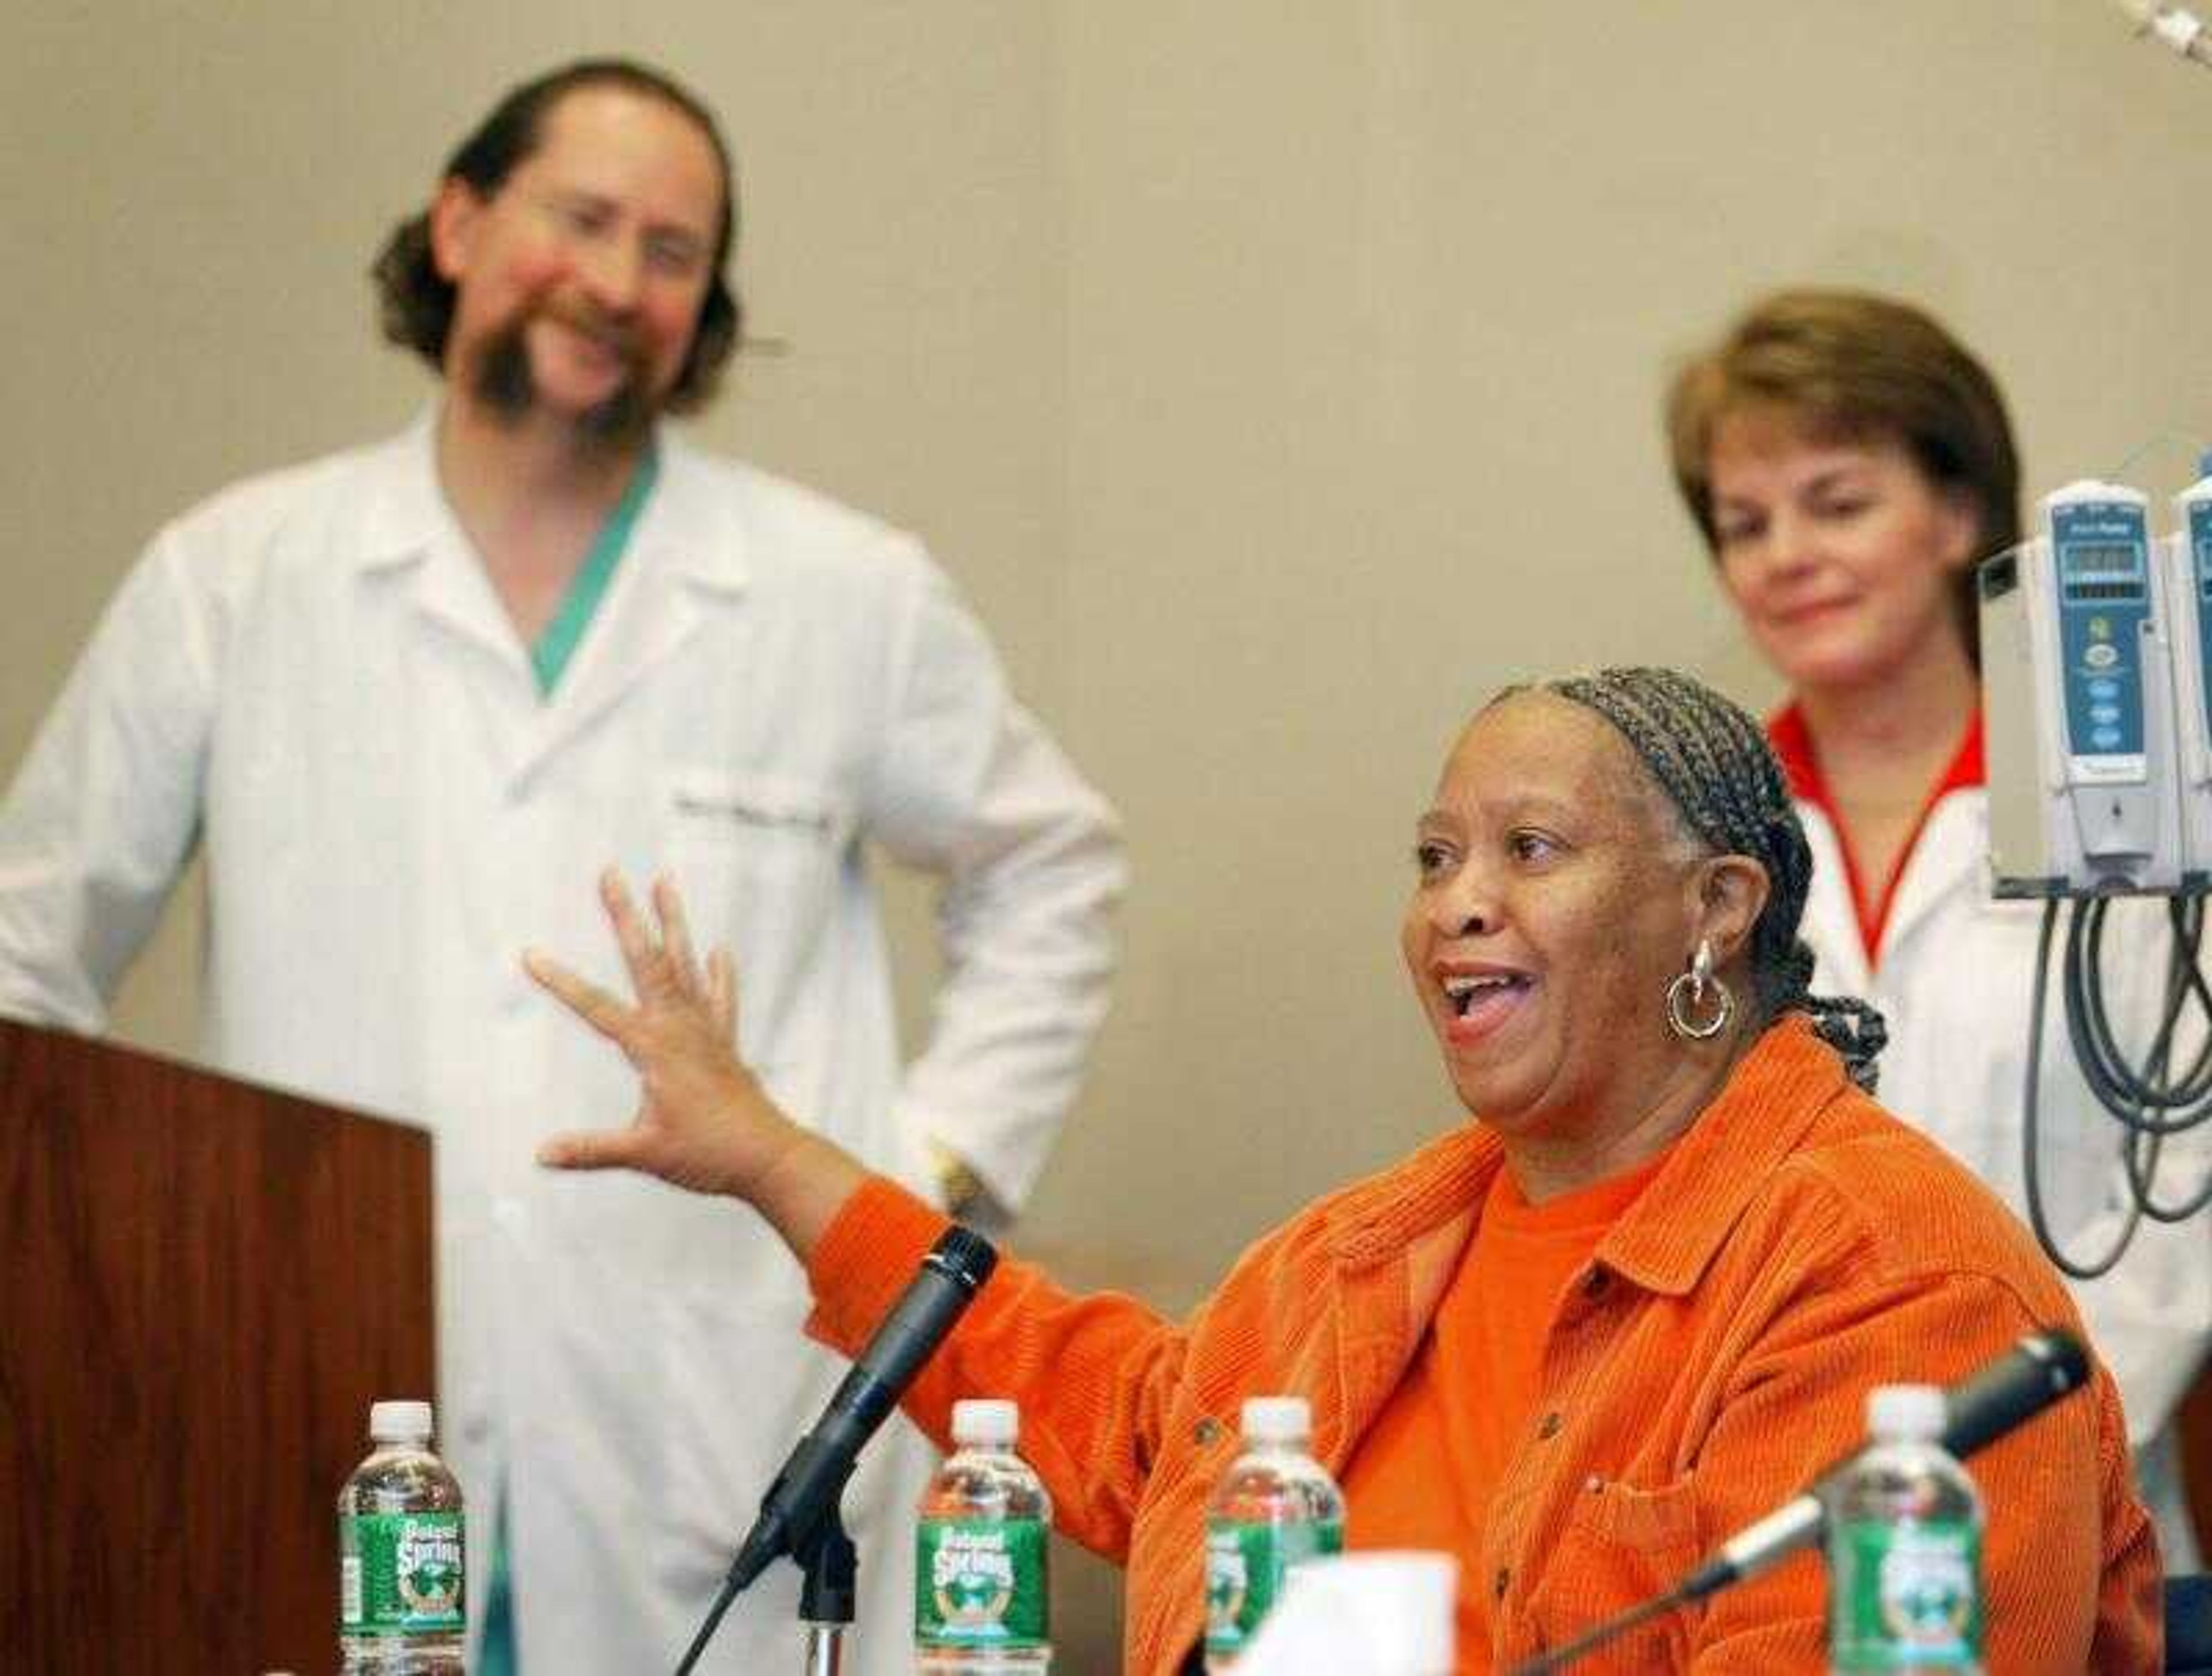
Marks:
<point>703,1121</point>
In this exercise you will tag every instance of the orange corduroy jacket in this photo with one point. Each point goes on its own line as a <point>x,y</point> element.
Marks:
<point>1799,1247</point>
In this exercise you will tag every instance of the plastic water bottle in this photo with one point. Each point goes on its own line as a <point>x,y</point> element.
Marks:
<point>402,1578</point>
<point>980,1603</point>
<point>1275,1507</point>
<point>1904,1548</point>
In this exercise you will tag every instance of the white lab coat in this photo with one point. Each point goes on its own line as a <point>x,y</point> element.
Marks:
<point>311,675</point>
<point>1955,984</point>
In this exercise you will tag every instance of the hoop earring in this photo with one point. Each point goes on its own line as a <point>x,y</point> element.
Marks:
<point>1688,992</point>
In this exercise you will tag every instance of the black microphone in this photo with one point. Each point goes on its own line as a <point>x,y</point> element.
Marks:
<point>814,1477</point>
<point>807,1490</point>
<point>2017,1387</point>
<point>2022,1382</point>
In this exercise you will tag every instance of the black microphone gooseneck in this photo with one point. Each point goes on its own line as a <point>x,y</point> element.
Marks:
<point>799,1514</point>
<point>2017,1387</point>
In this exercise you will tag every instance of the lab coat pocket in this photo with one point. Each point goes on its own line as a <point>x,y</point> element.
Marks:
<point>760,859</point>
<point>715,803</point>
<point>1621,1545</point>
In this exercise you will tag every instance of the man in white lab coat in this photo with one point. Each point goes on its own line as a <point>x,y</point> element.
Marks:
<point>410,699</point>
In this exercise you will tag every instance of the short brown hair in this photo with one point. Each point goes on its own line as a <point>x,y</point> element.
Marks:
<point>415,302</point>
<point>1854,366</point>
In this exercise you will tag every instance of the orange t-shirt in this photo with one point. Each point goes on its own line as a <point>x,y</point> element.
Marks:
<point>1422,1475</point>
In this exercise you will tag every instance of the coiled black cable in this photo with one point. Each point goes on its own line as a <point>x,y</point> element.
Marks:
<point>2149,1104</point>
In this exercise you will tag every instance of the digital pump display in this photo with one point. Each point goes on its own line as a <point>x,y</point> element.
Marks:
<point>2102,561</point>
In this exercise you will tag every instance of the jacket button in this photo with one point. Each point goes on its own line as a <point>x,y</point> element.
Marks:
<point>1498,1583</point>
<point>1205,1430</point>
<point>1549,1425</point>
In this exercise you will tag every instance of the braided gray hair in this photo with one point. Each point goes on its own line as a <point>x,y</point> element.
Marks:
<point>1714,763</point>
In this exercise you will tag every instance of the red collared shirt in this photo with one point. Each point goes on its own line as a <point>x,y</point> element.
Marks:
<point>1792,740</point>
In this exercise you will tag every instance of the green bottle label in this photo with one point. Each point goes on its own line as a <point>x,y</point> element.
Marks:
<point>979,1582</point>
<point>1245,1566</point>
<point>400,1573</point>
<point>1904,1596</point>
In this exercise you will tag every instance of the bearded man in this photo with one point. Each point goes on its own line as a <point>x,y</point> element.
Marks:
<point>409,699</point>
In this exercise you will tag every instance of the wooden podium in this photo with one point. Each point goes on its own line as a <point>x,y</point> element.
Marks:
<point>203,1286</point>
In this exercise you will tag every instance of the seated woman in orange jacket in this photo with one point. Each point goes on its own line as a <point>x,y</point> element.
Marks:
<point>1632,1305</point>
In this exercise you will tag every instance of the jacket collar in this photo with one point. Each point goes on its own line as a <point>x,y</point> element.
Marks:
<point>405,517</point>
<point>1377,1219</point>
<point>1667,1239</point>
<point>688,556</point>
<point>686,528</point>
<point>1727,1158</point>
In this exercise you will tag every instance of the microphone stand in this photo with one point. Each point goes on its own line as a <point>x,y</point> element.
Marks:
<point>825,1601</point>
<point>799,1517</point>
<point>830,1566</point>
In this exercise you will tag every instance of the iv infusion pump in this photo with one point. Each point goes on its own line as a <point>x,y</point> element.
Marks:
<point>2095,633</point>
<point>2097,712</point>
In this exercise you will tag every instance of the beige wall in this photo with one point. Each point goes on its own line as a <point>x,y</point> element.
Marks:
<point>1278,380</point>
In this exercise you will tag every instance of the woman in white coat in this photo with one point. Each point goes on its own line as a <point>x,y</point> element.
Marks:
<point>1849,463</point>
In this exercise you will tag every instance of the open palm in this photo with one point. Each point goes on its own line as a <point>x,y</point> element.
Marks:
<point>703,1121</point>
